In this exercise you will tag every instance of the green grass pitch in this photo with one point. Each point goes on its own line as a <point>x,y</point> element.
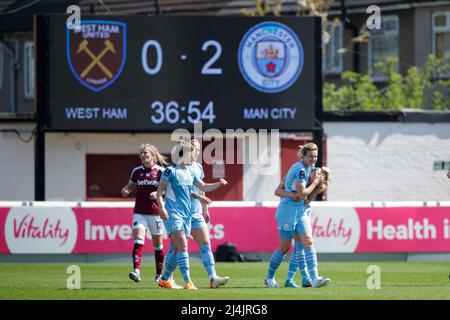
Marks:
<point>399,280</point>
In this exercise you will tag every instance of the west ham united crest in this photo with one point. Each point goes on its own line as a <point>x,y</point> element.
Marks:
<point>270,57</point>
<point>96,52</point>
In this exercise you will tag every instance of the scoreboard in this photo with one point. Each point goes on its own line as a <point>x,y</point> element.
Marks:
<point>160,73</point>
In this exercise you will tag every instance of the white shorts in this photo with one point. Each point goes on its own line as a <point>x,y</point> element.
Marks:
<point>144,221</point>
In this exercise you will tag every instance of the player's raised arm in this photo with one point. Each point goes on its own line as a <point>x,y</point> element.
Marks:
<point>303,191</point>
<point>128,189</point>
<point>321,187</point>
<point>312,196</point>
<point>208,187</point>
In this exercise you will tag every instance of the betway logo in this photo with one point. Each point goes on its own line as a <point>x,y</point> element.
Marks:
<point>147,183</point>
<point>124,232</point>
<point>27,228</point>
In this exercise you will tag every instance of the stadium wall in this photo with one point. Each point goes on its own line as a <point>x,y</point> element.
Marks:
<point>16,162</point>
<point>370,161</point>
<point>387,161</point>
<point>342,230</point>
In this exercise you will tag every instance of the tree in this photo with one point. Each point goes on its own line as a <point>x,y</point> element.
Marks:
<point>420,88</point>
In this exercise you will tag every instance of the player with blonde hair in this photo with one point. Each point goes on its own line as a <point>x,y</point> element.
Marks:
<point>290,218</point>
<point>199,229</point>
<point>297,259</point>
<point>177,181</point>
<point>145,178</point>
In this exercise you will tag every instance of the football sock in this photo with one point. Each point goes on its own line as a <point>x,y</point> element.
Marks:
<point>292,266</point>
<point>311,261</point>
<point>275,261</point>
<point>159,261</point>
<point>208,260</point>
<point>137,256</point>
<point>170,263</point>
<point>183,264</point>
<point>301,261</point>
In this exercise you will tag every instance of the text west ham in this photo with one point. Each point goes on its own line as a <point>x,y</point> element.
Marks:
<point>96,113</point>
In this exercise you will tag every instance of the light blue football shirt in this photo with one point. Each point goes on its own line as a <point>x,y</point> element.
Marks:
<point>297,173</point>
<point>178,192</point>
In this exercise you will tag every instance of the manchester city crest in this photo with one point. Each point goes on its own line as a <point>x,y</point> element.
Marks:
<point>270,57</point>
<point>96,52</point>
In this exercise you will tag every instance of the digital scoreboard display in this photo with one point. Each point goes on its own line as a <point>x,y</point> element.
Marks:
<point>160,73</point>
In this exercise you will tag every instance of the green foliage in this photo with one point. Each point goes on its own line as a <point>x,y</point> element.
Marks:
<point>419,88</point>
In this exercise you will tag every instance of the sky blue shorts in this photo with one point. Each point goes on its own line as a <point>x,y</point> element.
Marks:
<point>292,220</point>
<point>177,223</point>
<point>197,221</point>
<point>304,225</point>
<point>287,216</point>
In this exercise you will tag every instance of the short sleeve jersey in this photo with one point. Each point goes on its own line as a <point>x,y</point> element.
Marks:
<point>298,173</point>
<point>147,181</point>
<point>178,192</point>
